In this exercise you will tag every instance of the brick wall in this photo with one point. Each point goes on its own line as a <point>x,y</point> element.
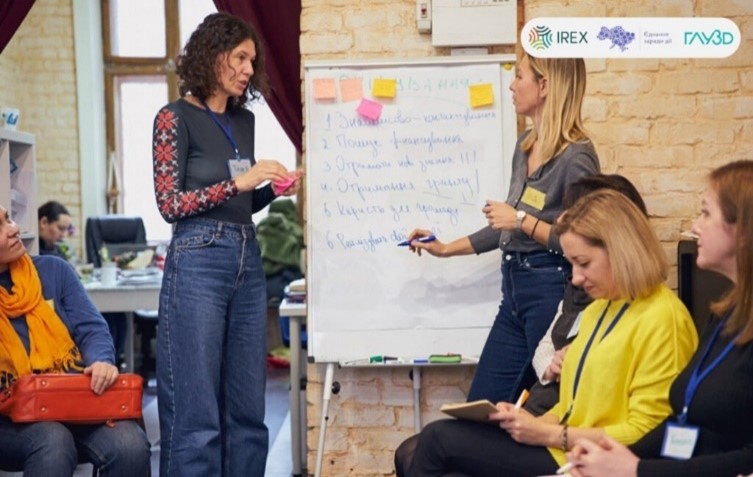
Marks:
<point>38,74</point>
<point>662,123</point>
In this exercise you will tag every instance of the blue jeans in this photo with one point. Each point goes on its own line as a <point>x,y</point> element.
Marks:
<point>52,449</point>
<point>211,353</point>
<point>533,284</point>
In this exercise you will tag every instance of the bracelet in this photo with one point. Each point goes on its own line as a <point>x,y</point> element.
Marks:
<point>533,230</point>
<point>563,438</point>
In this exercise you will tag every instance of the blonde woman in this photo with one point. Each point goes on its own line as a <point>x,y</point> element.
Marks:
<point>555,152</point>
<point>633,341</point>
<point>711,426</point>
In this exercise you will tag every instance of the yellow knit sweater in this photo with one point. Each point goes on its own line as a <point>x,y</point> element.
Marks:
<point>624,385</point>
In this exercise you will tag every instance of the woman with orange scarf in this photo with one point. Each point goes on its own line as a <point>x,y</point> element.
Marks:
<point>49,325</point>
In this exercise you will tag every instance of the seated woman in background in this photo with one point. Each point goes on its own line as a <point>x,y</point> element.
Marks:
<point>48,324</point>
<point>547,360</point>
<point>633,341</point>
<point>54,223</point>
<point>711,429</point>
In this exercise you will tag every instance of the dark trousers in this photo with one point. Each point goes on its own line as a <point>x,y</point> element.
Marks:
<point>455,447</point>
<point>533,285</point>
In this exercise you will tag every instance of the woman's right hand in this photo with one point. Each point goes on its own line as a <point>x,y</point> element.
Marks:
<point>264,170</point>
<point>435,247</point>
<point>554,369</point>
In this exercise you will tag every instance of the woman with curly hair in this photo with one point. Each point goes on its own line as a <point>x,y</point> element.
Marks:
<point>211,357</point>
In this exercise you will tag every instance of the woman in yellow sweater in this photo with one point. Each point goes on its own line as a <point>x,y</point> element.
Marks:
<point>633,340</point>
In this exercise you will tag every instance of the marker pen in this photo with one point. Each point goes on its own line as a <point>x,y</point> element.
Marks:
<point>427,239</point>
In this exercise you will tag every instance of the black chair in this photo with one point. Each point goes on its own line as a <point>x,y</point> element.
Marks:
<point>119,233</point>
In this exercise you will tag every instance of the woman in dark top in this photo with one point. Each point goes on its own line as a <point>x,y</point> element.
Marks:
<point>211,356</point>
<point>54,222</point>
<point>551,155</point>
<point>711,429</point>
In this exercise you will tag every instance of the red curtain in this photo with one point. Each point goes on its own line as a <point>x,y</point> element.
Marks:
<point>278,24</point>
<point>12,13</point>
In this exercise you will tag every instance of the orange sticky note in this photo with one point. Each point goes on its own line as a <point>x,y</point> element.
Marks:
<point>324,88</point>
<point>351,89</point>
<point>369,109</point>
<point>481,95</point>
<point>384,88</point>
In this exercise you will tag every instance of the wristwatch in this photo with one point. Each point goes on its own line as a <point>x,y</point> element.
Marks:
<point>520,215</point>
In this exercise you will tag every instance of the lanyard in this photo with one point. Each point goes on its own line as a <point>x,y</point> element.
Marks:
<point>588,348</point>
<point>697,376</point>
<point>228,132</point>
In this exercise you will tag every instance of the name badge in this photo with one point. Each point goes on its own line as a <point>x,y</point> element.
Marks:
<point>237,167</point>
<point>534,198</point>
<point>679,441</point>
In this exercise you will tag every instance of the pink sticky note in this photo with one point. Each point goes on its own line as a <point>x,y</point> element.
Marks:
<point>281,186</point>
<point>369,109</point>
<point>324,88</point>
<point>351,89</point>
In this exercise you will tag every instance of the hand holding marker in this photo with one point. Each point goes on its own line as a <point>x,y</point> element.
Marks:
<point>406,243</point>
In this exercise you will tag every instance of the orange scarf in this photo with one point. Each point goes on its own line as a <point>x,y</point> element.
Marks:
<point>51,347</point>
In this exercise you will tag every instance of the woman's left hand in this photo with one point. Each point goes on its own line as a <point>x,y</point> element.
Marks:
<point>103,375</point>
<point>293,189</point>
<point>608,457</point>
<point>524,427</point>
<point>499,215</point>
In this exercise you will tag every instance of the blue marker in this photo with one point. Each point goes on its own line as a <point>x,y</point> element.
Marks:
<point>428,239</point>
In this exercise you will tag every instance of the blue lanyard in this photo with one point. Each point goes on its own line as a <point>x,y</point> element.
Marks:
<point>697,376</point>
<point>228,132</point>
<point>588,348</point>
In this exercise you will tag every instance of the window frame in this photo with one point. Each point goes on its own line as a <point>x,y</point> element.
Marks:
<point>115,66</point>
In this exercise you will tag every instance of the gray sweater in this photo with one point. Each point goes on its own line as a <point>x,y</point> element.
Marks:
<point>576,161</point>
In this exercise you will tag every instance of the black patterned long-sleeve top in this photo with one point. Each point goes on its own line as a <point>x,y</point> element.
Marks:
<point>190,155</point>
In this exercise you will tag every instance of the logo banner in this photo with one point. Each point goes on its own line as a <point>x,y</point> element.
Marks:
<point>630,37</point>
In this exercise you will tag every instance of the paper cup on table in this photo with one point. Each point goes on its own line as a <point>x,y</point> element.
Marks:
<point>109,276</point>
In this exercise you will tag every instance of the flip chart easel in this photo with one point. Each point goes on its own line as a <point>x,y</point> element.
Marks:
<point>393,145</point>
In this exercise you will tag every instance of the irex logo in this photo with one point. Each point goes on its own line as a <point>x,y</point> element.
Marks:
<point>572,37</point>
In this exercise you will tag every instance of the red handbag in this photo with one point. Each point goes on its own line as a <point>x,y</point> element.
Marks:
<point>68,398</point>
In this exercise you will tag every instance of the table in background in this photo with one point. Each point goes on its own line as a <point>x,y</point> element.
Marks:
<point>127,299</point>
<point>296,312</point>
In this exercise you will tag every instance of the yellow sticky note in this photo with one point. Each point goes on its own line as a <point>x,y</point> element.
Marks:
<point>534,198</point>
<point>351,89</point>
<point>481,95</point>
<point>384,88</point>
<point>324,88</point>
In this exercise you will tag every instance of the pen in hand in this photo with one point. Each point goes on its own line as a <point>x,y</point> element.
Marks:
<point>522,399</point>
<point>565,468</point>
<point>426,239</point>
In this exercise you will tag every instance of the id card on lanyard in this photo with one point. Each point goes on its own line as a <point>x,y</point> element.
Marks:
<point>237,165</point>
<point>680,438</point>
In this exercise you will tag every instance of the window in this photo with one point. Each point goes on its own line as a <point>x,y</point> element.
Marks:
<point>141,40</point>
